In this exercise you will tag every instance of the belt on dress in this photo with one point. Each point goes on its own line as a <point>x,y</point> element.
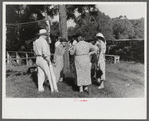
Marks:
<point>81,54</point>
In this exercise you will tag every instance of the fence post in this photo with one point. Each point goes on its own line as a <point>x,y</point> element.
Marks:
<point>26,59</point>
<point>9,59</point>
<point>17,58</point>
<point>30,62</point>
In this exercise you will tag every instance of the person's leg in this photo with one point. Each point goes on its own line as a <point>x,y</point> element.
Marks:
<point>61,69</point>
<point>98,74</point>
<point>87,89</point>
<point>41,78</point>
<point>103,76</point>
<point>81,89</point>
<point>103,70</point>
<point>61,76</point>
<point>95,70</point>
<point>45,67</point>
<point>53,78</point>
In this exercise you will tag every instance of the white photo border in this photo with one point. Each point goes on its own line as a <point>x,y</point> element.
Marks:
<point>69,108</point>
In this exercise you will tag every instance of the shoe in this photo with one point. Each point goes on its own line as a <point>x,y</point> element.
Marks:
<point>101,86</point>
<point>81,89</point>
<point>87,90</point>
<point>41,90</point>
<point>81,92</point>
<point>61,79</point>
<point>98,80</point>
<point>56,91</point>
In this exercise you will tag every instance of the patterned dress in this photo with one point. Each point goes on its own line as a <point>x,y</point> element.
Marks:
<point>59,61</point>
<point>82,62</point>
<point>101,58</point>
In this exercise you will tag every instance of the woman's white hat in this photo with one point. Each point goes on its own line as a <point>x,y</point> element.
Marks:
<point>43,32</point>
<point>100,35</point>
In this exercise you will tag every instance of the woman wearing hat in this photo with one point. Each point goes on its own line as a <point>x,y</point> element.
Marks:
<point>82,51</point>
<point>101,44</point>
<point>59,60</point>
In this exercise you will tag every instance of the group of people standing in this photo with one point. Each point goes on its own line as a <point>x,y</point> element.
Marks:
<point>83,52</point>
<point>87,57</point>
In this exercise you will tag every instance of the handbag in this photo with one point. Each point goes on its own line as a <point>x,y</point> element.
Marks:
<point>98,73</point>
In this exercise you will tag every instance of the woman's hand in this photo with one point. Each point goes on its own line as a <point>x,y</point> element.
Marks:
<point>89,54</point>
<point>70,48</point>
<point>54,64</point>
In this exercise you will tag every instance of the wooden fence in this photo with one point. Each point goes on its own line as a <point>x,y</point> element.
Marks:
<point>28,58</point>
<point>19,57</point>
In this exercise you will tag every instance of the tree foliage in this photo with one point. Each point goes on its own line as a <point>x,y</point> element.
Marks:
<point>88,23</point>
<point>81,9</point>
<point>20,35</point>
<point>138,26</point>
<point>123,28</point>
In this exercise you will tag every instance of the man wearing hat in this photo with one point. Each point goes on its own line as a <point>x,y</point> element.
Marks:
<point>101,44</point>
<point>42,52</point>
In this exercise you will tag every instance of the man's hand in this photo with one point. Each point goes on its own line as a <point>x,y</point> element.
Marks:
<point>48,60</point>
<point>54,64</point>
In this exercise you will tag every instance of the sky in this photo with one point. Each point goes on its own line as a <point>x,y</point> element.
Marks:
<point>132,10</point>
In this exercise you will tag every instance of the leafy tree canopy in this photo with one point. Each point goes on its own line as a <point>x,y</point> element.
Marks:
<point>88,23</point>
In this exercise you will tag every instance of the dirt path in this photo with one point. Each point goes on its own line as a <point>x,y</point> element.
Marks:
<point>122,80</point>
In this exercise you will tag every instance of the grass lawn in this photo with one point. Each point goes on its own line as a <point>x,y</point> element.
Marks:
<point>124,79</point>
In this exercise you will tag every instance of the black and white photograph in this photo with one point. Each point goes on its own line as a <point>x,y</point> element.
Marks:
<point>67,60</point>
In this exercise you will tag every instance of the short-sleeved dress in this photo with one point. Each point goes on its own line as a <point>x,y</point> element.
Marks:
<point>82,62</point>
<point>59,60</point>
<point>101,57</point>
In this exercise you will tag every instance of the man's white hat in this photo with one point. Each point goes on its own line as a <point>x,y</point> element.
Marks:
<point>100,35</point>
<point>43,32</point>
<point>57,43</point>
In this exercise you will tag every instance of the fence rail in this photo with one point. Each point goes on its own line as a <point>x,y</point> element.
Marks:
<point>17,57</point>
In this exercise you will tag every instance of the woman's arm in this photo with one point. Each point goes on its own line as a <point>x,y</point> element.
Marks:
<point>92,50</point>
<point>63,50</point>
<point>55,54</point>
<point>72,50</point>
<point>103,47</point>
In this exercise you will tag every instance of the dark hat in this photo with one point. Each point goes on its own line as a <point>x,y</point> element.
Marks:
<point>63,40</point>
<point>78,35</point>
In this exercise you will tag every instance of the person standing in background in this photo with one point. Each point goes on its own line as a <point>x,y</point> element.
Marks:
<point>59,59</point>
<point>94,61</point>
<point>101,44</point>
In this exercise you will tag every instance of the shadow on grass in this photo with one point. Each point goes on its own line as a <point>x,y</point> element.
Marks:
<point>14,73</point>
<point>35,78</point>
<point>33,73</point>
<point>71,82</point>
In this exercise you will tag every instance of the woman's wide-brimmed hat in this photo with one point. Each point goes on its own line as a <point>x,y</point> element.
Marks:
<point>43,32</point>
<point>100,35</point>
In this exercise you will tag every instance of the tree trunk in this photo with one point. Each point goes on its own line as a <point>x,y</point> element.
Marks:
<point>63,33</point>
